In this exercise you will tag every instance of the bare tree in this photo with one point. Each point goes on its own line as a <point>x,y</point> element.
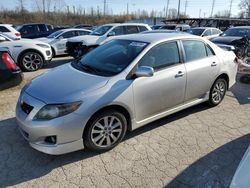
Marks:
<point>21,5</point>
<point>245,6</point>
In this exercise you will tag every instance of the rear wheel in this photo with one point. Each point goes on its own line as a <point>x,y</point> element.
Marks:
<point>31,61</point>
<point>105,131</point>
<point>217,92</point>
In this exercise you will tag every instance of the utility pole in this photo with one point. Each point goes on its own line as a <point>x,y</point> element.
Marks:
<point>200,13</point>
<point>178,13</point>
<point>43,6</point>
<point>186,4</point>
<point>127,10</point>
<point>230,9</point>
<point>212,8</point>
<point>104,7</point>
<point>167,9</point>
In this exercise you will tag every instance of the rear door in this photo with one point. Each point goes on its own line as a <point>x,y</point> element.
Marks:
<point>62,40</point>
<point>202,68</point>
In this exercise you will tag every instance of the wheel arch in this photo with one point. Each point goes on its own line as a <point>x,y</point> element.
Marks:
<point>29,50</point>
<point>224,76</point>
<point>119,108</point>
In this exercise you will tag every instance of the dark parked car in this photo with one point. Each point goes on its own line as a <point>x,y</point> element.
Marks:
<point>35,30</point>
<point>10,73</point>
<point>238,37</point>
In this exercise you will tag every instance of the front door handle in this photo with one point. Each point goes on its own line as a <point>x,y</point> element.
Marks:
<point>213,64</point>
<point>179,74</point>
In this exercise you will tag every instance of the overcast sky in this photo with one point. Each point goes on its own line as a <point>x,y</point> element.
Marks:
<point>194,7</point>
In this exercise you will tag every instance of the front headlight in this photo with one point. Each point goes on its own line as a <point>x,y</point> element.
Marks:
<point>52,111</point>
<point>43,45</point>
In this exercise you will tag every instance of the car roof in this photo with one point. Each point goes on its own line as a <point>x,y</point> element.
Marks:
<point>240,27</point>
<point>116,24</point>
<point>204,28</point>
<point>156,37</point>
<point>74,29</point>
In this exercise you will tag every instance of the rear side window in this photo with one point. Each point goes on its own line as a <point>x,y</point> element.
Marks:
<point>131,29</point>
<point>83,32</point>
<point>210,52</point>
<point>194,50</point>
<point>4,29</point>
<point>161,56</point>
<point>215,31</point>
<point>68,34</point>
<point>142,28</point>
<point>207,32</point>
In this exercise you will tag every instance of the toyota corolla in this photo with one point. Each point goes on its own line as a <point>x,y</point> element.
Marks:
<point>120,86</point>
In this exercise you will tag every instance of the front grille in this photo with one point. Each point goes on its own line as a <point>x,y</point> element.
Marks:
<point>26,107</point>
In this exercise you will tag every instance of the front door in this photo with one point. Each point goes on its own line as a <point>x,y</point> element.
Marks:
<point>166,88</point>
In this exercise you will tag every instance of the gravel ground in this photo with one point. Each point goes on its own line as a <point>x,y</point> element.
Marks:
<point>198,147</point>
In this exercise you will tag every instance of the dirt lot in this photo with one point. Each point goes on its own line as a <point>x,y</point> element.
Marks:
<point>198,147</point>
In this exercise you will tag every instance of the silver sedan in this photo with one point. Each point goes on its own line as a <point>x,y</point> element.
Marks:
<point>120,86</point>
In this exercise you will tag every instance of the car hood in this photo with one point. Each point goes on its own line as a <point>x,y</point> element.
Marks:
<point>46,40</point>
<point>27,41</point>
<point>225,40</point>
<point>241,177</point>
<point>85,39</point>
<point>64,84</point>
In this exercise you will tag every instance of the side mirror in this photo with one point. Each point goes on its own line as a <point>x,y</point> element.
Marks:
<point>144,71</point>
<point>2,38</point>
<point>111,33</point>
<point>61,37</point>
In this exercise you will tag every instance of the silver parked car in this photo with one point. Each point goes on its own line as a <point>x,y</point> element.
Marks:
<point>121,85</point>
<point>58,39</point>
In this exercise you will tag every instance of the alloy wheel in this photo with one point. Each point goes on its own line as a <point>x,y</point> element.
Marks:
<point>218,92</point>
<point>32,61</point>
<point>106,131</point>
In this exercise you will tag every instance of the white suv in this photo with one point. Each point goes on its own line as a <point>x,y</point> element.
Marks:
<point>10,31</point>
<point>77,46</point>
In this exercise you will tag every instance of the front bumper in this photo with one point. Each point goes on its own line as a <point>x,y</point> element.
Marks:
<point>67,129</point>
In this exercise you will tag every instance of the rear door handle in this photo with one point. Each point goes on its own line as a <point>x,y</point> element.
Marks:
<point>213,64</point>
<point>179,74</point>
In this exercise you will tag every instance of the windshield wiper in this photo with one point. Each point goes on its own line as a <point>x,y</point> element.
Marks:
<point>88,68</point>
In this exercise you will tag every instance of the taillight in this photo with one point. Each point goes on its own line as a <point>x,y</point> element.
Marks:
<point>9,62</point>
<point>18,34</point>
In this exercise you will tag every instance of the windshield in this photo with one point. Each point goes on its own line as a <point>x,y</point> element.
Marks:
<point>112,57</point>
<point>101,30</point>
<point>196,31</point>
<point>237,32</point>
<point>55,34</point>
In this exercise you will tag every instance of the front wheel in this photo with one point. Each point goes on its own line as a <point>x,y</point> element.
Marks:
<point>31,61</point>
<point>217,92</point>
<point>105,131</point>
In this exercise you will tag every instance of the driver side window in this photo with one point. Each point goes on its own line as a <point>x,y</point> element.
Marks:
<point>161,56</point>
<point>118,30</point>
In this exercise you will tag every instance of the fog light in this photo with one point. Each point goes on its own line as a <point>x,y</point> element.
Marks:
<point>50,139</point>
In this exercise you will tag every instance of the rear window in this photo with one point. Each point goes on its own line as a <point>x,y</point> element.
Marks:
<point>4,29</point>
<point>142,28</point>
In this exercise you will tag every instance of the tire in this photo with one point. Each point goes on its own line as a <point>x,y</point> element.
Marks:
<point>31,61</point>
<point>217,92</point>
<point>100,136</point>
